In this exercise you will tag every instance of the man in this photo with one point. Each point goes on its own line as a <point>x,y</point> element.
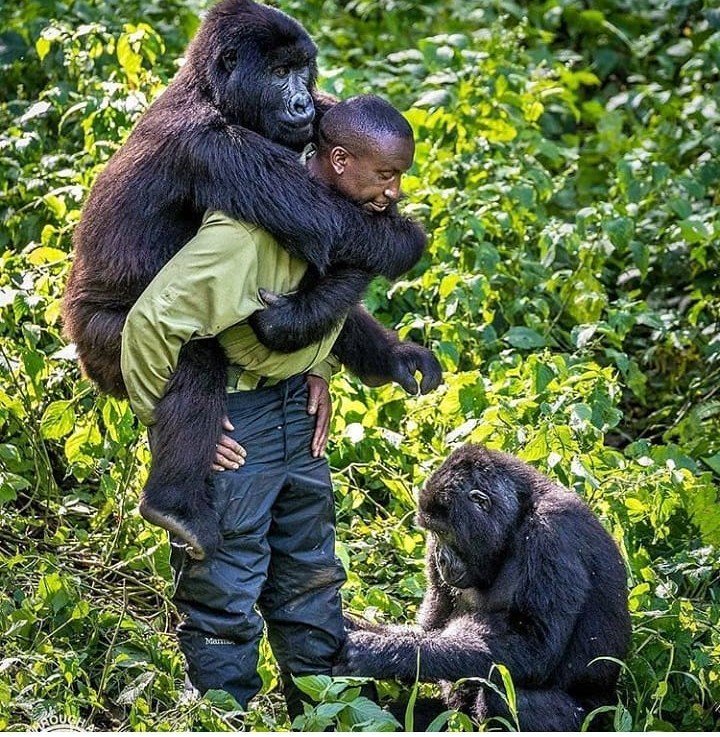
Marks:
<point>275,504</point>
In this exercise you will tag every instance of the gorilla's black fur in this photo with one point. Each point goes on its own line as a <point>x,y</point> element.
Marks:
<point>210,141</point>
<point>520,573</point>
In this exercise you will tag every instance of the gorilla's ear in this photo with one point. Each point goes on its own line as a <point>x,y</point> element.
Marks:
<point>229,59</point>
<point>480,498</point>
<point>491,477</point>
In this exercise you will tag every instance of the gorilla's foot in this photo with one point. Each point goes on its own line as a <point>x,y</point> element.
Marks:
<point>196,524</point>
<point>541,710</point>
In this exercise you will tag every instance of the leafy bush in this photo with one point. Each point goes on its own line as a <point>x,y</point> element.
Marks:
<point>567,174</point>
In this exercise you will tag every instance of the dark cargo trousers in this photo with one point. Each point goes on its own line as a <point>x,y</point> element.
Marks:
<point>277,555</point>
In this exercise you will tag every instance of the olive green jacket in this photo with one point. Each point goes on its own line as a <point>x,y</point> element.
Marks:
<point>210,288</point>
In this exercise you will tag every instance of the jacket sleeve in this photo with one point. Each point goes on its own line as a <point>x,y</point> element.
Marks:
<point>209,285</point>
<point>326,368</point>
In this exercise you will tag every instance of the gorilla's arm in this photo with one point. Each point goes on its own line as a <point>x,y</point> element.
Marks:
<point>295,321</point>
<point>291,322</point>
<point>376,355</point>
<point>310,220</point>
<point>530,639</point>
<point>368,350</point>
<point>393,653</point>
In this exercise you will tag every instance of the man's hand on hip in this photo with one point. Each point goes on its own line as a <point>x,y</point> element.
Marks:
<point>320,405</point>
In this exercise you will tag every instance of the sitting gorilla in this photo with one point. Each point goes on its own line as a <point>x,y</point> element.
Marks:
<point>520,573</point>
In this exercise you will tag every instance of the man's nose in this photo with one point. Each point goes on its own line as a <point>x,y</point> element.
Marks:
<point>392,191</point>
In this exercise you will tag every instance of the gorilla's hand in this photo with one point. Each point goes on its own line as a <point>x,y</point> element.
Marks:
<point>407,358</point>
<point>276,325</point>
<point>294,321</point>
<point>385,652</point>
<point>354,624</point>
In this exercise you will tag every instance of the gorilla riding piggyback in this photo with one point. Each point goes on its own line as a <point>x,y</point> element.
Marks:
<point>224,136</point>
<point>220,138</point>
<point>520,573</point>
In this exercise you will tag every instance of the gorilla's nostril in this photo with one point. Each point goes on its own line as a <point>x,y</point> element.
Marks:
<point>299,103</point>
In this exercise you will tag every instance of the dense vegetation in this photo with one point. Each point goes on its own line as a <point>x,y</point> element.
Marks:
<point>567,171</point>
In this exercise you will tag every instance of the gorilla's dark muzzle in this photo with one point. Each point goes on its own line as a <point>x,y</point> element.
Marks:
<point>451,567</point>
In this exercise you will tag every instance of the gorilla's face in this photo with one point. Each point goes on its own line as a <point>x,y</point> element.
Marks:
<point>289,110</point>
<point>470,507</point>
<point>269,91</point>
<point>259,68</point>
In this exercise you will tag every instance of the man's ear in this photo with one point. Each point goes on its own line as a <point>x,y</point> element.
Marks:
<point>338,159</point>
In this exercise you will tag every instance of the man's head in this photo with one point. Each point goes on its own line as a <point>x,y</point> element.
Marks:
<point>364,147</point>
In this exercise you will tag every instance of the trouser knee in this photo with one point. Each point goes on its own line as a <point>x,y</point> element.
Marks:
<point>214,662</point>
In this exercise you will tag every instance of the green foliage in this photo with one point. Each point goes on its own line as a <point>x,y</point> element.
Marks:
<point>566,171</point>
<point>340,706</point>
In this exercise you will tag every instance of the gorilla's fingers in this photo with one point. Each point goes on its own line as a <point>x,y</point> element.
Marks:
<point>268,297</point>
<point>411,358</point>
<point>431,372</point>
<point>271,325</point>
<point>372,654</point>
<point>403,375</point>
<point>354,624</point>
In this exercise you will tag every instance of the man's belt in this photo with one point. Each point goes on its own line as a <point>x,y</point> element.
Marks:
<point>240,380</point>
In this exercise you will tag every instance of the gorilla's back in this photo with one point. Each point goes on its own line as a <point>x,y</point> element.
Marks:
<point>603,628</point>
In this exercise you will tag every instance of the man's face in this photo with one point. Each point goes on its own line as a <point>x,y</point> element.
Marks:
<point>372,177</point>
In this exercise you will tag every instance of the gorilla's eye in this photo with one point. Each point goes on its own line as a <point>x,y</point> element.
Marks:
<point>281,72</point>
<point>479,498</point>
<point>229,59</point>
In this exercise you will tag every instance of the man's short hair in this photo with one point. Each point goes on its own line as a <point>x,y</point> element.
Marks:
<point>358,122</point>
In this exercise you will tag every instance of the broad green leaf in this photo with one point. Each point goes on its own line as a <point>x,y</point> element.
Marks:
<point>42,46</point>
<point>58,419</point>
<point>714,462</point>
<point>129,59</point>
<point>46,255</point>
<point>694,230</point>
<point>524,338</point>
<point>620,231</point>
<point>132,691</point>
<point>314,686</point>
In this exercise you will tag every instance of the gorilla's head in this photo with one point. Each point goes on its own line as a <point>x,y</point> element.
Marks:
<point>258,67</point>
<point>471,506</point>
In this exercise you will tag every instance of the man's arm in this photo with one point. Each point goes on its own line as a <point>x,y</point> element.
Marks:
<point>208,286</point>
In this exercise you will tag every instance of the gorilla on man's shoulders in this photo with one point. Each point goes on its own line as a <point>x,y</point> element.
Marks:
<point>220,138</point>
<point>520,572</point>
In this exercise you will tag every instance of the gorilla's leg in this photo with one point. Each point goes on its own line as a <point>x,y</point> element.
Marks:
<point>188,423</point>
<point>295,321</point>
<point>99,347</point>
<point>357,624</point>
<point>549,710</point>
